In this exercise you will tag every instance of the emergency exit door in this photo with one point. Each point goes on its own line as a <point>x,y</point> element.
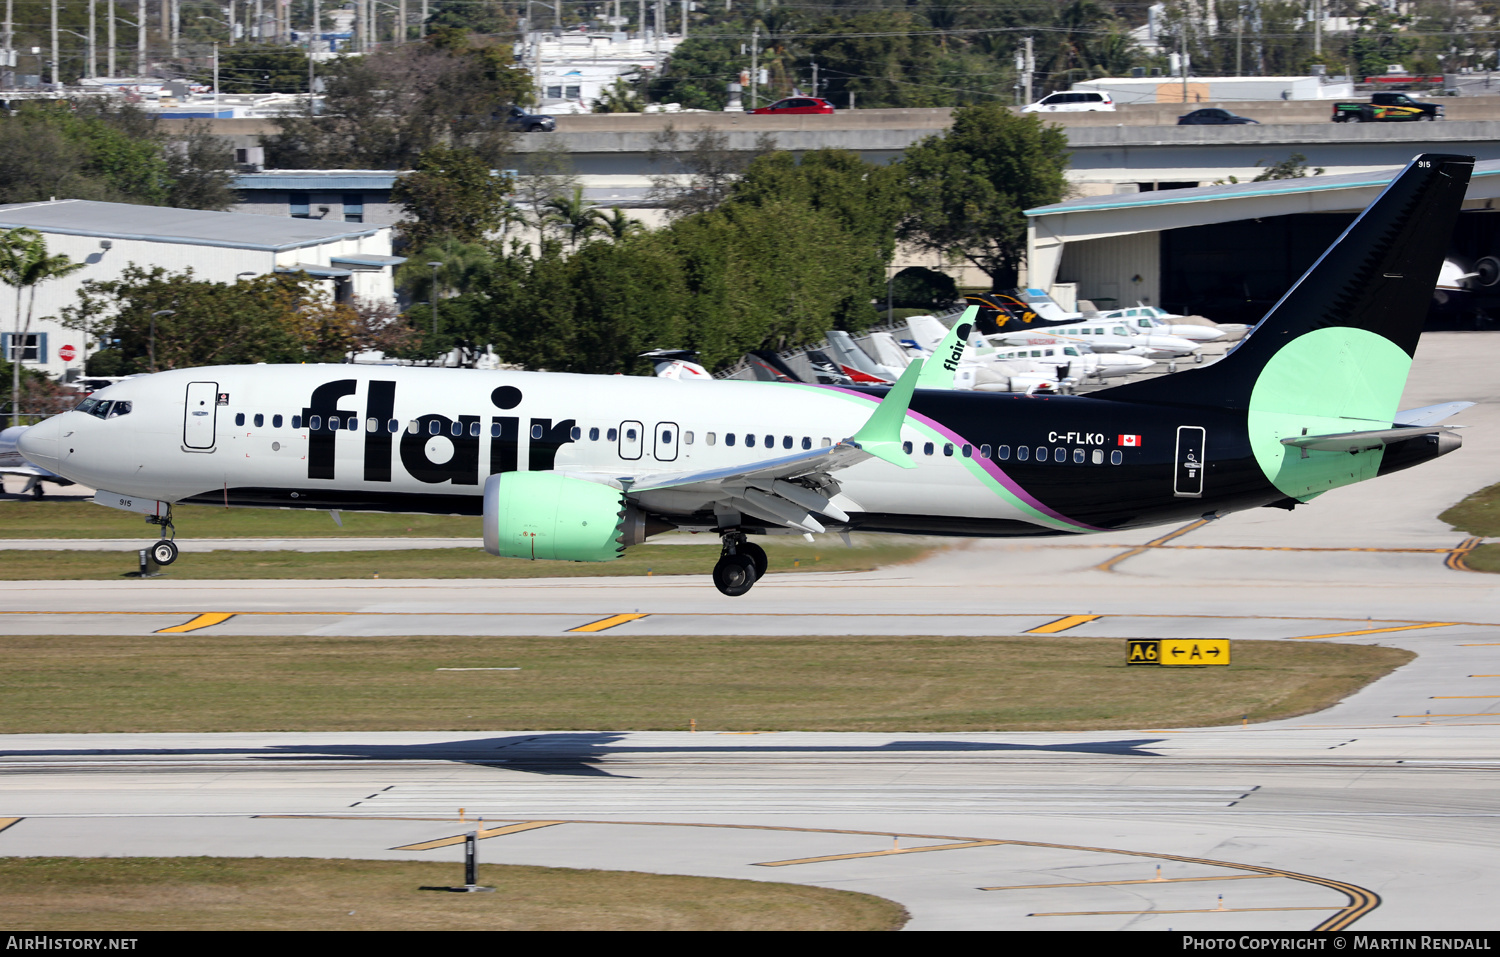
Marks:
<point>1190,465</point>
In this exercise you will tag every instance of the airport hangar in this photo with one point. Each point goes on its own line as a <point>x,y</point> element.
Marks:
<point>1225,251</point>
<point>353,260</point>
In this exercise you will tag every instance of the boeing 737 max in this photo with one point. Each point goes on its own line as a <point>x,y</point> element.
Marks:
<point>575,467</point>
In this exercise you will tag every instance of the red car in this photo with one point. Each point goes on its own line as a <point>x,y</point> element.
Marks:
<point>797,104</point>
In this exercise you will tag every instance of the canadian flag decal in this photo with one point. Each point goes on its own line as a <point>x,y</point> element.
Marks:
<point>1134,440</point>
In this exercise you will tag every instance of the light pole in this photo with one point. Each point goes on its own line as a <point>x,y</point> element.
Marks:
<point>159,312</point>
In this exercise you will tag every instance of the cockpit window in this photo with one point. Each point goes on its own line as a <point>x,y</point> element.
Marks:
<point>104,408</point>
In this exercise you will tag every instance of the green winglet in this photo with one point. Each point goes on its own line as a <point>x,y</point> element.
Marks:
<point>881,434</point>
<point>940,370</point>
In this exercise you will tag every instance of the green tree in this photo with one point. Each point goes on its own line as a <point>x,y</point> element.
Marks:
<point>275,318</point>
<point>969,187</point>
<point>452,194</point>
<point>256,68</point>
<point>621,96</point>
<point>24,265</point>
<point>572,216</point>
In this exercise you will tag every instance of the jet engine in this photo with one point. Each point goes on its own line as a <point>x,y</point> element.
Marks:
<point>550,516</point>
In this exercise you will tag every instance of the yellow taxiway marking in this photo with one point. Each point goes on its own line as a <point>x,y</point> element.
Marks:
<point>1360,900</point>
<point>604,624</point>
<point>1147,880</point>
<point>202,621</point>
<point>482,832</point>
<point>1063,624</point>
<point>6,822</point>
<point>1378,631</point>
<point>1455,559</point>
<point>1200,910</point>
<point>1109,566</point>
<point>885,853</point>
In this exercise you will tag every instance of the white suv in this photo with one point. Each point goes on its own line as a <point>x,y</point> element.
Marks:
<point>1072,102</point>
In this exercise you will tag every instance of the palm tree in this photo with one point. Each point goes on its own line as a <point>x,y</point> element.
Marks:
<point>463,267</point>
<point>615,224</point>
<point>24,264</point>
<point>573,215</point>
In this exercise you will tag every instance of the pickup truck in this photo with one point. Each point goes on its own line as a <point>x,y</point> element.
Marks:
<point>1384,107</point>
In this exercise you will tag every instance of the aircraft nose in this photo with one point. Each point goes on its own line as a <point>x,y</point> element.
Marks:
<point>38,444</point>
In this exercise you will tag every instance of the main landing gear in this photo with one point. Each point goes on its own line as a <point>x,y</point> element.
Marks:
<point>164,552</point>
<point>740,566</point>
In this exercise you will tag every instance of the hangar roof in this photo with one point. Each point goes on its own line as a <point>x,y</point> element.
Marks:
<point>163,224</point>
<point>1120,214</point>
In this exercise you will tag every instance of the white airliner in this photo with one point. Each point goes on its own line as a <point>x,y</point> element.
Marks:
<point>13,463</point>
<point>576,467</point>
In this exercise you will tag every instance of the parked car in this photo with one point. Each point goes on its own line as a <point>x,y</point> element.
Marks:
<point>797,104</point>
<point>518,119</point>
<point>1214,116</point>
<point>1079,101</point>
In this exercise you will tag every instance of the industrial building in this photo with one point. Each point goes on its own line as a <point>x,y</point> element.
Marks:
<point>354,259</point>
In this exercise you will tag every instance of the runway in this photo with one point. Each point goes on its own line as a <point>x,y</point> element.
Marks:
<point>1382,813</point>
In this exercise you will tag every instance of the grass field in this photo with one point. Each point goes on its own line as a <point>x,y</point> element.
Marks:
<point>197,893</point>
<point>797,556</point>
<point>197,683</point>
<point>46,519</point>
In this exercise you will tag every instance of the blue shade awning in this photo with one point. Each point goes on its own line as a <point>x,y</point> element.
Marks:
<point>366,263</point>
<point>317,272</point>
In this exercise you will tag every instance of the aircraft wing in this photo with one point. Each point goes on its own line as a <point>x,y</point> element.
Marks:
<point>785,490</point>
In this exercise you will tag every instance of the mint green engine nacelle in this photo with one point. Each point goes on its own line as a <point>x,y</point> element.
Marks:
<point>550,516</point>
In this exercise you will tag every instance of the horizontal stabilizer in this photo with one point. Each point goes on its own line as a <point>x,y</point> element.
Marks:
<point>1360,441</point>
<point>1430,414</point>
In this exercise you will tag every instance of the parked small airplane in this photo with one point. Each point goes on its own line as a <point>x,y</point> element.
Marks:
<point>577,468</point>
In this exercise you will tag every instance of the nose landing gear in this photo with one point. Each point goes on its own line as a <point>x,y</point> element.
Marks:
<point>164,552</point>
<point>740,565</point>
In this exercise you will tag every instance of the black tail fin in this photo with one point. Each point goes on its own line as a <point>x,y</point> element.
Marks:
<point>1377,278</point>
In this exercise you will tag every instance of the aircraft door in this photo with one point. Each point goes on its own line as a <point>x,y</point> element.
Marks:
<point>1190,464</point>
<point>199,416</point>
<point>632,438</point>
<point>665,437</point>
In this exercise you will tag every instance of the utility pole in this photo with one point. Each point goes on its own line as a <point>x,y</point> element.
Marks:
<point>1030,68</point>
<point>176,28</point>
<point>7,67</point>
<point>815,78</point>
<point>754,66</point>
<point>54,42</point>
<point>90,68</point>
<point>140,37</point>
<point>109,59</point>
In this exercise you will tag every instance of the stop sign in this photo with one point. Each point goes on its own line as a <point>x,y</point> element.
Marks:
<point>68,353</point>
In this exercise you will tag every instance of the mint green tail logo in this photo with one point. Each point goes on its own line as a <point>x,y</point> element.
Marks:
<point>1339,379</point>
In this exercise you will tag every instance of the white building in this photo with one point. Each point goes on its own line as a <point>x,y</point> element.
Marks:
<point>354,259</point>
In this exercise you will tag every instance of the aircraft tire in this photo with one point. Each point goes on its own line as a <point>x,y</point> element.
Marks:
<point>164,552</point>
<point>36,490</point>
<point>757,555</point>
<point>734,575</point>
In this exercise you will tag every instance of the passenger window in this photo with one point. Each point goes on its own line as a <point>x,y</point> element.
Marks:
<point>413,427</point>
<point>687,438</point>
<point>1002,453</point>
<point>275,421</point>
<point>393,426</point>
<point>749,440</point>
<point>315,423</point>
<point>728,438</point>
<point>1059,455</point>
<point>927,448</point>
<point>666,437</point>
<point>495,430</point>
<point>1115,457</point>
<point>433,428</point>
<point>334,423</point>
<point>770,441</point>
<point>710,438</point>
<point>1078,456</point>
<point>1041,454</point>
<point>807,441</point>
<point>474,429</point>
<point>536,432</point>
<point>239,418</point>
<point>456,429</point>
<point>1022,453</point>
<point>296,421</point>
<point>1098,457</point>
<point>948,449</point>
<point>906,447</point>
<point>593,433</point>
<point>968,451</point>
<point>611,434</point>
<point>786,441</point>
<point>827,442</point>
<point>353,424</point>
<point>372,424</point>
<point>576,434</point>
<point>259,419</point>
